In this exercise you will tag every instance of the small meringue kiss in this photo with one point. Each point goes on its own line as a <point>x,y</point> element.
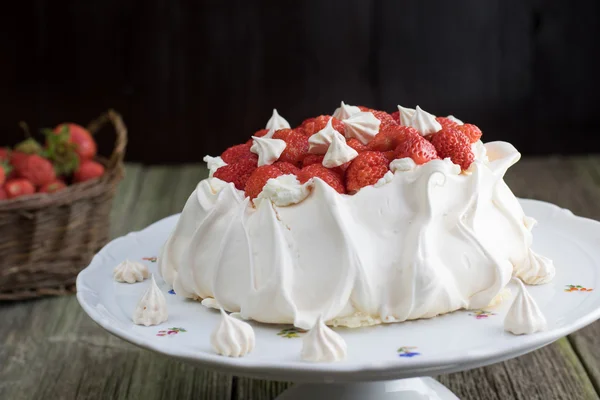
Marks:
<point>268,149</point>
<point>152,307</point>
<point>232,337</point>
<point>130,272</point>
<point>277,122</point>
<point>338,152</point>
<point>322,344</point>
<point>424,122</point>
<point>345,111</point>
<point>320,141</point>
<point>524,316</point>
<point>362,126</point>
<point>405,115</point>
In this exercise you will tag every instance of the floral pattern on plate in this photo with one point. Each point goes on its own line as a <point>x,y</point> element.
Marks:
<point>291,332</point>
<point>407,351</point>
<point>170,332</point>
<point>577,288</point>
<point>481,314</point>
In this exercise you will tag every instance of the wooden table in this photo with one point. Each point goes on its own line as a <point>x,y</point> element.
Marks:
<point>50,349</point>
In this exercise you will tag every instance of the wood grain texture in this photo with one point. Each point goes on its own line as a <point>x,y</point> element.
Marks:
<point>51,349</point>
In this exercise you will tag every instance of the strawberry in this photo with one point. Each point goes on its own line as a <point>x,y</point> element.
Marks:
<point>446,122</point>
<point>233,153</point>
<point>88,170</point>
<point>418,148</point>
<point>3,174</point>
<point>18,187</point>
<point>29,146</point>
<point>471,131</point>
<point>327,175</point>
<point>3,194</point>
<point>287,168</point>
<point>396,116</point>
<point>318,123</point>
<point>259,133</point>
<point>37,170</point>
<point>366,169</point>
<point>4,154</point>
<point>237,172</point>
<point>85,145</point>
<point>53,186</point>
<point>386,119</point>
<point>306,127</point>
<point>312,159</point>
<point>363,108</point>
<point>390,155</point>
<point>389,138</point>
<point>296,146</point>
<point>259,178</point>
<point>18,159</point>
<point>450,142</point>
<point>357,145</point>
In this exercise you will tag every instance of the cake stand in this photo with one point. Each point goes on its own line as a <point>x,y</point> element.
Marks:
<point>391,361</point>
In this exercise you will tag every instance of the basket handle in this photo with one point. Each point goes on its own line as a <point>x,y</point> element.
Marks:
<point>118,154</point>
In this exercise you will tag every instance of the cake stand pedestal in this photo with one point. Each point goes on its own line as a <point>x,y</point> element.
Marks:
<point>402,389</point>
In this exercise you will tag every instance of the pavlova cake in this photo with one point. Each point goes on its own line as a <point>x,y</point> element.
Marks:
<point>355,219</point>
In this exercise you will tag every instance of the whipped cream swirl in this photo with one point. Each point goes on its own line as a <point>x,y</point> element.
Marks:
<point>268,149</point>
<point>232,337</point>
<point>213,164</point>
<point>403,164</point>
<point>320,141</point>
<point>322,344</point>
<point>345,111</point>
<point>524,316</point>
<point>362,126</point>
<point>277,122</point>
<point>130,272</point>
<point>424,122</point>
<point>152,307</point>
<point>284,190</point>
<point>338,152</point>
<point>406,115</point>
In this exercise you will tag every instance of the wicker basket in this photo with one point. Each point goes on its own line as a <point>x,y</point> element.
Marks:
<point>46,239</point>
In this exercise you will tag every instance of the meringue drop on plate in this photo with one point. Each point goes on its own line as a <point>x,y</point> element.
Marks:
<point>232,337</point>
<point>277,122</point>
<point>362,126</point>
<point>338,152</point>
<point>524,316</point>
<point>152,307</point>
<point>345,111</point>
<point>130,272</point>
<point>424,122</point>
<point>322,344</point>
<point>320,141</point>
<point>267,149</point>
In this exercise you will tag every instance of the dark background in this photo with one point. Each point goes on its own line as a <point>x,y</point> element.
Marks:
<point>193,77</point>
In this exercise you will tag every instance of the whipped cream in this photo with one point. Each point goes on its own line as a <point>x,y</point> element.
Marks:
<point>424,122</point>
<point>479,151</point>
<point>213,164</point>
<point>362,126</point>
<point>454,119</point>
<point>536,269</point>
<point>268,149</point>
<point>320,141</point>
<point>277,122</point>
<point>403,164</point>
<point>284,190</point>
<point>152,307</point>
<point>345,111</point>
<point>322,344</point>
<point>387,178</point>
<point>406,115</point>
<point>232,337</point>
<point>524,316</point>
<point>210,303</point>
<point>130,272</point>
<point>338,152</point>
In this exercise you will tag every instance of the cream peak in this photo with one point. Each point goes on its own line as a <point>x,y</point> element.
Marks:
<point>152,307</point>
<point>277,122</point>
<point>362,126</point>
<point>320,141</point>
<point>424,122</point>
<point>405,115</point>
<point>232,337</point>
<point>524,316</point>
<point>338,152</point>
<point>322,344</point>
<point>345,111</point>
<point>268,149</point>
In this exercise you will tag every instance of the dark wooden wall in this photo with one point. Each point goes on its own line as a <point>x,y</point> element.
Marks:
<point>192,77</point>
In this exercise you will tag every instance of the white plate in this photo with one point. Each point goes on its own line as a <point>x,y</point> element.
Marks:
<point>452,342</point>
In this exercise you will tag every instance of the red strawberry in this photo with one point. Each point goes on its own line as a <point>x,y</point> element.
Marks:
<point>18,187</point>
<point>53,186</point>
<point>88,170</point>
<point>396,116</point>
<point>85,145</point>
<point>259,178</point>
<point>391,137</point>
<point>311,159</point>
<point>237,172</point>
<point>363,108</point>
<point>4,154</point>
<point>259,133</point>
<point>37,170</point>
<point>453,143</point>
<point>366,169</point>
<point>418,148</point>
<point>287,168</point>
<point>233,153</point>
<point>390,155</point>
<point>2,175</point>
<point>296,146</point>
<point>327,175</point>
<point>316,124</point>
<point>446,122</point>
<point>386,119</point>
<point>306,127</point>
<point>357,145</point>
<point>3,194</point>
<point>471,131</point>
<point>17,159</point>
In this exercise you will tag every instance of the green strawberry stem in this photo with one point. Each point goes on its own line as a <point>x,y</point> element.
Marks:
<point>25,128</point>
